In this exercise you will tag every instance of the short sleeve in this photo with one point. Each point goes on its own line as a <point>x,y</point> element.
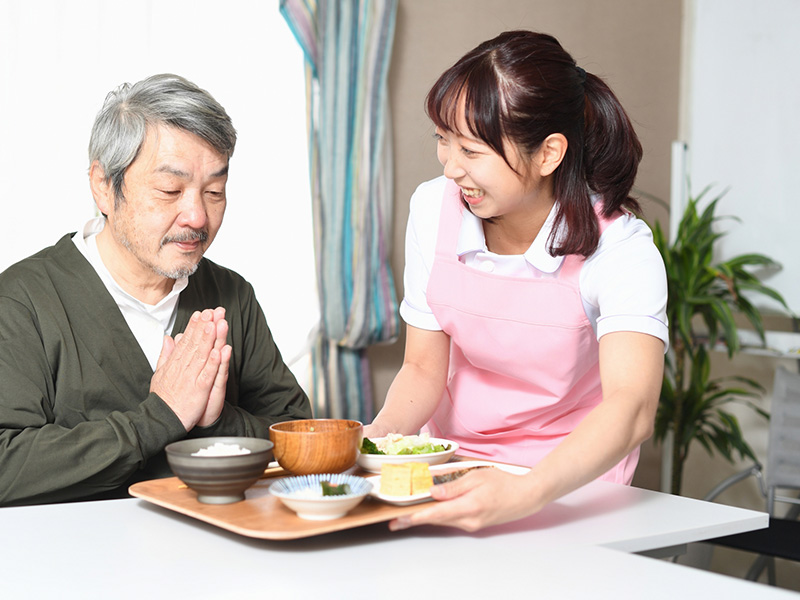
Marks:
<point>624,282</point>
<point>420,251</point>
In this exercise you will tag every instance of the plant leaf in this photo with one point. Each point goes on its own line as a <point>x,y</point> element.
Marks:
<point>704,299</point>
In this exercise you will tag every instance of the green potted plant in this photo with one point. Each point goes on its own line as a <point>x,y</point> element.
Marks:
<point>704,299</point>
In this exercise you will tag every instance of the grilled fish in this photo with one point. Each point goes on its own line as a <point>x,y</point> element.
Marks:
<point>453,475</point>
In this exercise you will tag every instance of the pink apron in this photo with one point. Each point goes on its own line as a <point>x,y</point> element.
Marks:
<point>524,366</point>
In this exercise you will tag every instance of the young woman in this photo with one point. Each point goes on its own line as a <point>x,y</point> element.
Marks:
<point>535,300</point>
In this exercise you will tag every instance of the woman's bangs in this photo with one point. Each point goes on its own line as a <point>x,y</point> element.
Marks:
<point>471,98</point>
<point>482,109</point>
<point>444,105</point>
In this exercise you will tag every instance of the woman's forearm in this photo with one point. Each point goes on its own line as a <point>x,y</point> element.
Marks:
<point>617,426</point>
<point>410,402</point>
<point>418,387</point>
<point>604,438</point>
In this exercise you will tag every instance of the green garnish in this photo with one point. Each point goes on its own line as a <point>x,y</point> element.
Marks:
<point>369,447</point>
<point>425,449</point>
<point>332,489</point>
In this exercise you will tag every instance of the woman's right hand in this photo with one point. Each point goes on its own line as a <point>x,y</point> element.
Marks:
<point>480,499</point>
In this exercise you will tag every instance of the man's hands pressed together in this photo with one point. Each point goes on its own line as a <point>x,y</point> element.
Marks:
<point>192,370</point>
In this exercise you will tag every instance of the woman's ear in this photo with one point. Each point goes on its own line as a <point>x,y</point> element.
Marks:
<point>551,153</point>
<point>102,190</point>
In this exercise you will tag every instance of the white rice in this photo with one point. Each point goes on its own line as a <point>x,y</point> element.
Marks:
<point>220,449</point>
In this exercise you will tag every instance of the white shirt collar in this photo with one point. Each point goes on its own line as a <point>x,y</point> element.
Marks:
<point>87,244</point>
<point>472,239</point>
<point>148,323</point>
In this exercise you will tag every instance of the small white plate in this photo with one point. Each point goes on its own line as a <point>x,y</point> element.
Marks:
<point>373,462</point>
<point>320,508</point>
<point>438,470</point>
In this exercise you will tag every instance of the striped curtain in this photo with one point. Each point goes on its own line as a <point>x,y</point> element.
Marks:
<point>347,46</point>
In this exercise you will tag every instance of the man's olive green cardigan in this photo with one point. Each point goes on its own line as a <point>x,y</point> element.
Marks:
<point>77,420</point>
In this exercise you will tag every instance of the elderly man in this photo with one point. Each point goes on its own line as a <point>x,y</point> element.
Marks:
<point>122,338</point>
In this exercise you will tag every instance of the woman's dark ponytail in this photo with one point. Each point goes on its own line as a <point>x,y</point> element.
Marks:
<point>611,151</point>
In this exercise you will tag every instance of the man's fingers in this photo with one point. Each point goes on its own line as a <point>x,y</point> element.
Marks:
<point>196,341</point>
<point>221,333</point>
<point>216,398</point>
<point>219,313</point>
<point>222,372</point>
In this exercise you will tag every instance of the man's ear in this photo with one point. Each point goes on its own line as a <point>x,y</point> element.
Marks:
<point>551,153</point>
<point>102,189</point>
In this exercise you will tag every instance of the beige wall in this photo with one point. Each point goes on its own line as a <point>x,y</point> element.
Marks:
<point>633,44</point>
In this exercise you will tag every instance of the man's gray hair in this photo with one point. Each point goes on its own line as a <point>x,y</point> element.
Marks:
<point>121,125</point>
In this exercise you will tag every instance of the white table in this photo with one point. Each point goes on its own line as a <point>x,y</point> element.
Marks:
<point>578,547</point>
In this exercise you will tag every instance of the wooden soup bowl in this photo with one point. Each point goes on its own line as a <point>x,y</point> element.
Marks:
<point>310,446</point>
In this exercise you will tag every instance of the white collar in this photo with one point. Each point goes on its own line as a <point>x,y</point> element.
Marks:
<point>86,242</point>
<point>472,239</point>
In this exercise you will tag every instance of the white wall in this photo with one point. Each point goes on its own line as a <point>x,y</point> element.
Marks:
<point>743,126</point>
<point>58,60</point>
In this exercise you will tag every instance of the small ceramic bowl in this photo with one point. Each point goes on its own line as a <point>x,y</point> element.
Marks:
<point>373,462</point>
<point>309,446</point>
<point>219,479</point>
<point>303,494</point>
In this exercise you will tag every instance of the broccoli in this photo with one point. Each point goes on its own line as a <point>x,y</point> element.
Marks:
<point>369,447</point>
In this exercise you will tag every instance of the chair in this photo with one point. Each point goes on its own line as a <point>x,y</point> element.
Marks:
<point>782,473</point>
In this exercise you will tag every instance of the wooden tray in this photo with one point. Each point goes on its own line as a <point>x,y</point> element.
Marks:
<point>262,515</point>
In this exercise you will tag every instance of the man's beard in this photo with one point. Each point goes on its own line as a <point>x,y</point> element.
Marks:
<point>187,236</point>
<point>176,272</point>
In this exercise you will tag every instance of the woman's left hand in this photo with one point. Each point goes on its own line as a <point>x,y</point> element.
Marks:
<point>479,499</point>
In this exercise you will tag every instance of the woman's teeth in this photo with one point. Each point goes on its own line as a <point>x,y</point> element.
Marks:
<point>472,193</point>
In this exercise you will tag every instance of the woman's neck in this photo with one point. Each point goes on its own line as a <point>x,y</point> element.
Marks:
<point>514,235</point>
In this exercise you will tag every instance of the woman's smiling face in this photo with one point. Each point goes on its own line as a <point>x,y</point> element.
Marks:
<point>489,185</point>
